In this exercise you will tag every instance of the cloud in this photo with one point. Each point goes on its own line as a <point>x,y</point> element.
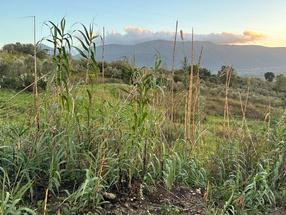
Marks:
<point>250,36</point>
<point>230,38</point>
<point>133,35</point>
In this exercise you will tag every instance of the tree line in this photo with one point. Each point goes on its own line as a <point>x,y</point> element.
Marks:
<point>17,64</point>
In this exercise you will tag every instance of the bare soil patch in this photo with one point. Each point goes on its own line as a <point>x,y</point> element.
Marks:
<point>158,200</point>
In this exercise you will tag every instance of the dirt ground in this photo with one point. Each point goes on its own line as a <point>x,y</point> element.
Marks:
<point>276,211</point>
<point>159,201</point>
<point>179,200</point>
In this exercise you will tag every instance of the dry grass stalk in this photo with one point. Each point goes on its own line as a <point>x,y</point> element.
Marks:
<point>190,96</point>
<point>227,73</point>
<point>186,94</point>
<point>243,106</point>
<point>101,165</point>
<point>45,202</point>
<point>35,86</point>
<point>244,126</point>
<point>197,93</point>
<point>103,52</point>
<point>268,117</point>
<point>173,72</point>
<point>185,119</point>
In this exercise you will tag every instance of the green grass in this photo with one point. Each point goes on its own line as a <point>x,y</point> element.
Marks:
<point>97,138</point>
<point>74,148</point>
<point>19,108</point>
<point>14,109</point>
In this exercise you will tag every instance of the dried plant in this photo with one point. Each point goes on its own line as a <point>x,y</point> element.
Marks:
<point>197,94</point>
<point>227,73</point>
<point>173,72</point>
<point>189,103</point>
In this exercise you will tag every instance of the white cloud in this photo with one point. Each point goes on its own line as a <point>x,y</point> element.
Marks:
<point>133,35</point>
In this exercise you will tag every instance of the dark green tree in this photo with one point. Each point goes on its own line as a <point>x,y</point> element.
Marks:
<point>269,76</point>
<point>221,75</point>
<point>280,84</point>
<point>28,49</point>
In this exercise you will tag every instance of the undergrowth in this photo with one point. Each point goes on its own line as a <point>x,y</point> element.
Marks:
<point>82,150</point>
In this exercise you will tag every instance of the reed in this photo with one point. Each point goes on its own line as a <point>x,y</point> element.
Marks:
<point>103,53</point>
<point>267,118</point>
<point>92,143</point>
<point>35,86</point>
<point>189,103</point>
<point>88,49</point>
<point>197,94</point>
<point>226,124</point>
<point>173,72</point>
<point>186,76</point>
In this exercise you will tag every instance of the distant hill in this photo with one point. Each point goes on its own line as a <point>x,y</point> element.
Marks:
<point>48,49</point>
<point>248,60</point>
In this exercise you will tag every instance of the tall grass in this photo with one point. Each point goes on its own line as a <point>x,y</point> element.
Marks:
<point>86,147</point>
<point>173,71</point>
<point>82,150</point>
<point>88,49</point>
<point>189,103</point>
<point>103,52</point>
<point>227,73</point>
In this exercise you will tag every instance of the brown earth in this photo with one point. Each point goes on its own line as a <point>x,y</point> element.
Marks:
<point>276,211</point>
<point>158,200</point>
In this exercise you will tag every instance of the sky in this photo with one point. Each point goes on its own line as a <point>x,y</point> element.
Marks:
<point>259,22</point>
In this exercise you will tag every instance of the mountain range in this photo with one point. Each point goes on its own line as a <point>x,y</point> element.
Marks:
<point>248,60</point>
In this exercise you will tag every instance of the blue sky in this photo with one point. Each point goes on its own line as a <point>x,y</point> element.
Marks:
<point>125,19</point>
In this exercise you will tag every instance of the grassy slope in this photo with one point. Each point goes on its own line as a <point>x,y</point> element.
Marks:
<point>14,108</point>
<point>19,109</point>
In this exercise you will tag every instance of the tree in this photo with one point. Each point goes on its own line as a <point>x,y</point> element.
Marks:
<point>280,84</point>
<point>25,49</point>
<point>269,76</point>
<point>204,73</point>
<point>221,75</point>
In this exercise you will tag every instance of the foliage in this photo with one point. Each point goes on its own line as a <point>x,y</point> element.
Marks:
<point>269,76</point>
<point>18,72</point>
<point>88,52</point>
<point>280,84</point>
<point>94,138</point>
<point>25,49</point>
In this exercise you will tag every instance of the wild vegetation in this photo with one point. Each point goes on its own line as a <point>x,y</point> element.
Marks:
<point>89,141</point>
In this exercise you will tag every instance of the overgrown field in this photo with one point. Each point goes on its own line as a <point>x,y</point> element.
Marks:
<point>81,146</point>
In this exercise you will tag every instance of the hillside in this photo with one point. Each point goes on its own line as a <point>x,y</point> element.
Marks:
<point>113,138</point>
<point>249,60</point>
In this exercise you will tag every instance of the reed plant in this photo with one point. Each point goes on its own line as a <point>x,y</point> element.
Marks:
<point>88,146</point>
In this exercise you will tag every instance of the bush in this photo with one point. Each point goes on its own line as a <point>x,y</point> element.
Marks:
<point>25,49</point>
<point>19,73</point>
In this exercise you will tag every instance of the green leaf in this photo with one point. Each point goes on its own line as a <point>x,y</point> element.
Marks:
<point>81,52</point>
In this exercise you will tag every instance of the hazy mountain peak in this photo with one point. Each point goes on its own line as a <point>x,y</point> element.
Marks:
<point>247,59</point>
